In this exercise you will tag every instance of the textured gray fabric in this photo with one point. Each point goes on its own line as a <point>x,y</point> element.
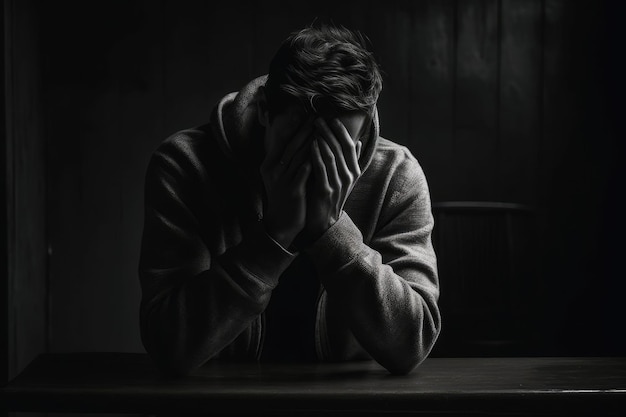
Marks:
<point>207,268</point>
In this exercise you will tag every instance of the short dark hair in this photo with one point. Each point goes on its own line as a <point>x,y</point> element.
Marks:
<point>328,69</point>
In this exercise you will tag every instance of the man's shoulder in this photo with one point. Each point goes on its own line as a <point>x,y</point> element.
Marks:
<point>185,142</point>
<point>390,149</point>
<point>395,159</point>
<point>188,154</point>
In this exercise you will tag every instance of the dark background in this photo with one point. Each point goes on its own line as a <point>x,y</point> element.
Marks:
<point>514,101</point>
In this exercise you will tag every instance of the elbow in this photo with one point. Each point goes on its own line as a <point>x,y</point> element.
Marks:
<point>172,364</point>
<point>402,367</point>
<point>417,350</point>
<point>405,364</point>
<point>175,361</point>
<point>171,359</point>
<point>174,367</point>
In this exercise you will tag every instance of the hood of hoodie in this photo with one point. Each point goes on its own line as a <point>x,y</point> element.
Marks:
<point>240,135</point>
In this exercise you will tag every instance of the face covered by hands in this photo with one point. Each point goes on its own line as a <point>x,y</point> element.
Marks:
<point>310,168</point>
<point>334,157</point>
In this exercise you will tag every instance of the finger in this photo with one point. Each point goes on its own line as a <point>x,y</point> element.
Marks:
<point>347,143</point>
<point>301,156</point>
<point>330,161</point>
<point>318,168</point>
<point>359,148</point>
<point>272,156</point>
<point>275,154</point>
<point>331,139</point>
<point>298,141</point>
<point>302,176</point>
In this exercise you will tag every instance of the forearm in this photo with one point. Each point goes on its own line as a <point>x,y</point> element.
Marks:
<point>194,318</point>
<point>395,322</point>
<point>391,311</point>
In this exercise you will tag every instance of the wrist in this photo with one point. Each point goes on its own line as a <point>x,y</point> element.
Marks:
<point>284,239</point>
<point>314,232</point>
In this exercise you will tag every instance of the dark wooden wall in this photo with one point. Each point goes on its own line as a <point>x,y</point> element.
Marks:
<point>24,270</point>
<point>500,100</point>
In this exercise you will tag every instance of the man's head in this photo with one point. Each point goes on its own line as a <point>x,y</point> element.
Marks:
<point>325,71</point>
<point>328,70</point>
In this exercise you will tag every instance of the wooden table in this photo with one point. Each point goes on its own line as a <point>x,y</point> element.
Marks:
<point>128,383</point>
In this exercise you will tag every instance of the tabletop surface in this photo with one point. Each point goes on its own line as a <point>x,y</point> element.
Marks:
<point>129,382</point>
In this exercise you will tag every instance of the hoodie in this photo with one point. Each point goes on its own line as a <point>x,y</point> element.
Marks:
<point>210,275</point>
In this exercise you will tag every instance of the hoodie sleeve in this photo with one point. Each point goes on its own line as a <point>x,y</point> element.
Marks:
<point>388,290</point>
<point>194,302</point>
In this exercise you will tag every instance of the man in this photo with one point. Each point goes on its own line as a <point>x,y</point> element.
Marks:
<point>286,228</point>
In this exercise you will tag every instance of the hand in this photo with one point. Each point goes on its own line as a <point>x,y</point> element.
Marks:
<point>335,170</point>
<point>285,171</point>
